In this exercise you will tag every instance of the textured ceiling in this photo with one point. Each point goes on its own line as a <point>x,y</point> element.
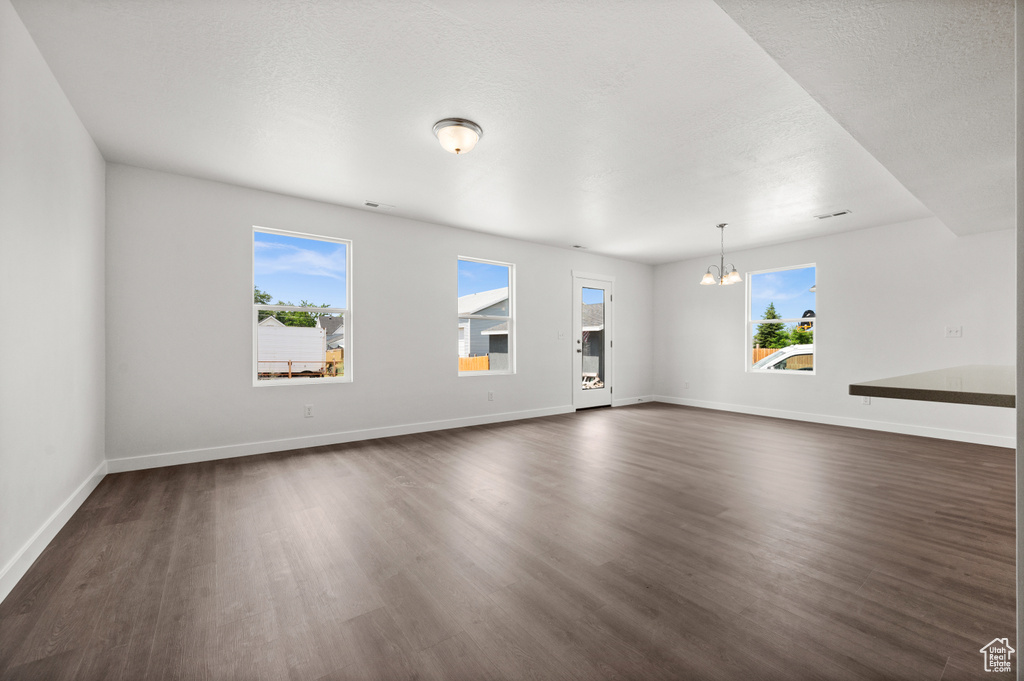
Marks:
<point>631,128</point>
<point>926,87</point>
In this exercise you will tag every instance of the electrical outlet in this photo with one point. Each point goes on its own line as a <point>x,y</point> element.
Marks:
<point>686,385</point>
<point>308,411</point>
<point>490,396</point>
<point>865,399</point>
<point>561,335</point>
<point>954,332</point>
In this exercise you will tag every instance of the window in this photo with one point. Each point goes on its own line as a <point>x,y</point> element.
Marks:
<point>781,317</point>
<point>302,323</point>
<point>486,331</point>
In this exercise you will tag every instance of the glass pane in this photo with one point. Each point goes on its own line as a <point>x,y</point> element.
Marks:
<point>483,345</point>
<point>287,349</point>
<point>483,288</point>
<point>784,294</point>
<point>291,270</point>
<point>592,318</point>
<point>782,347</point>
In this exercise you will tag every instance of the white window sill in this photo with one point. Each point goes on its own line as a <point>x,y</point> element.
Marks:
<point>796,372</point>
<point>299,381</point>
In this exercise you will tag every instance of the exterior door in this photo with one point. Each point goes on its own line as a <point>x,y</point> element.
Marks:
<point>592,341</point>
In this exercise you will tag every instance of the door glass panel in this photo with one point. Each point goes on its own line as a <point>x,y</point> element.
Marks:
<point>592,342</point>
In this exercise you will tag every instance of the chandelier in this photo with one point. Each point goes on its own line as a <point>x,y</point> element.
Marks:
<point>723,279</point>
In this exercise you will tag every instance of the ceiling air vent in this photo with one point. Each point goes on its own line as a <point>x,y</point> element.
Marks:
<point>833,215</point>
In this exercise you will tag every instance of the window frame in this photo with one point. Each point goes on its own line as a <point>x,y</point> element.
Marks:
<point>510,318</point>
<point>750,324</point>
<point>345,312</point>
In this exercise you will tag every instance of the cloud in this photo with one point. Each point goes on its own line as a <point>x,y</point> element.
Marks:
<point>276,258</point>
<point>776,294</point>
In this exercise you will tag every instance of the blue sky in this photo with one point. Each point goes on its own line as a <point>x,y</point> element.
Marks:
<point>592,295</point>
<point>788,289</point>
<point>293,269</point>
<point>475,277</point>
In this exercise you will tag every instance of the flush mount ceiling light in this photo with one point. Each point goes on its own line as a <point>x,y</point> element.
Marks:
<point>457,135</point>
<point>723,279</point>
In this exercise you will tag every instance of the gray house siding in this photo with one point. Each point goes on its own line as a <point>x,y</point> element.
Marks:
<point>500,308</point>
<point>481,344</point>
<point>499,344</point>
<point>498,352</point>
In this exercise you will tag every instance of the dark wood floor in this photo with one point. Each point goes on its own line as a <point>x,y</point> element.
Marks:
<point>649,542</point>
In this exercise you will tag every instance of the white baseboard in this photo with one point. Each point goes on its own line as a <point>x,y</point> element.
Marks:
<point>17,566</point>
<point>135,463</point>
<point>626,401</point>
<point>887,426</point>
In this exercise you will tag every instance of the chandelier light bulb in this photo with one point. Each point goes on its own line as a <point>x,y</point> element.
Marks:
<point>724,278</point>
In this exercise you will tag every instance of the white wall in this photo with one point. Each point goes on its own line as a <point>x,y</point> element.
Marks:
<point>179,295</point>
<point>884,297</point>
<point>51,283</point>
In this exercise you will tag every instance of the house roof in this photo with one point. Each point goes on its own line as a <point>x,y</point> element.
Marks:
<point>496,330</point>
<point>271,321</point>
<point>593,317</point>
<point>474,302</point>
<point>331,324</point>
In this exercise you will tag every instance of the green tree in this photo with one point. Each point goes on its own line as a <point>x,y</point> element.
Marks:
<point>801,336</point>
<point>286,317</point>
<point>261,298</point>
<point>782,340</point>
<point>773,334</point>
<point>296,318</point>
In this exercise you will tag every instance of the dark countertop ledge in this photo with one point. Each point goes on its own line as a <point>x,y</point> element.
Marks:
<point>981,384</point>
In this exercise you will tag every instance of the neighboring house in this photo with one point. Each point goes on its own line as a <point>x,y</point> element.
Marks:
<point>277,344</point>
<point>592,321</point>
<point>463,338</point>
<point>334,327</point>
<point>497,338</point>
<point>271,321</point>
<point>485,336</point>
